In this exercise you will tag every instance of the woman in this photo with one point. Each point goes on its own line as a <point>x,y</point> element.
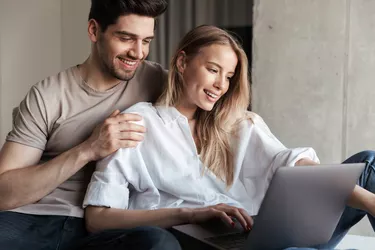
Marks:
<point>203,156</point>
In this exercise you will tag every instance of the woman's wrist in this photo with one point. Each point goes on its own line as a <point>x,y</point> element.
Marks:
<point>185,215</point>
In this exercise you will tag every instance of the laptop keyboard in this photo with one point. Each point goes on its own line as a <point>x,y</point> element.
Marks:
<point>229,241</point>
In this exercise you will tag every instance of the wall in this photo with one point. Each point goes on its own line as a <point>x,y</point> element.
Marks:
<point>313,71</point>
<point>30,50</point>
<point>74,39</point>
<point>37,38</point>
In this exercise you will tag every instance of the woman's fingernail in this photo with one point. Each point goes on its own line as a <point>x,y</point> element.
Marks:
<point>248,228</point>
<point>232,224</point>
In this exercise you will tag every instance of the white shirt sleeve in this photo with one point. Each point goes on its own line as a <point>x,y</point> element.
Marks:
<point>263,155</point>
<point>109,185</point>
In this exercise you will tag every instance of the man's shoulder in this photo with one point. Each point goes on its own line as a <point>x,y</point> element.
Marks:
<point>55,82</point>
<point>151,70</point>
<point>152,66</point>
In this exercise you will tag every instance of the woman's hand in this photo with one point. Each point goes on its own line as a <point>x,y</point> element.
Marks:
<point>224,212</point>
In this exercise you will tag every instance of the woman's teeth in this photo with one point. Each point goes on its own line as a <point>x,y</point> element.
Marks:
<point>211,94</point>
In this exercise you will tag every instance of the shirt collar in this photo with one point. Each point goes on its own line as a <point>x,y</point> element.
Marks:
<point>169,114</point>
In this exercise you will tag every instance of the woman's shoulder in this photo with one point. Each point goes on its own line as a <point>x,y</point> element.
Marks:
<point>139,107</point>
<point>251,119</point>
<point>144,109</point>
<point>254,122</point>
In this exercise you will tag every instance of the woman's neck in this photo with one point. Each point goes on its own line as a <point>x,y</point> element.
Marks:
<point>187,110</point>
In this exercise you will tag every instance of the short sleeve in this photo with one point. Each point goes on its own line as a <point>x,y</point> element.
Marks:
<point>30,125</point>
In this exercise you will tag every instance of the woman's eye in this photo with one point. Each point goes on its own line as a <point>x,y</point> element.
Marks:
<point>212,70</point>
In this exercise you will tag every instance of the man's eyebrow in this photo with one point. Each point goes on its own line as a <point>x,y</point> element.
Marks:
<point>217,65</point>
<point>125,33</point>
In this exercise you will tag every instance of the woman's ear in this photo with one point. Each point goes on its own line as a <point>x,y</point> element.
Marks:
<point>181,62</point>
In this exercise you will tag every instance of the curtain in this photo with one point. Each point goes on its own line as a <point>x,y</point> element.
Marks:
<point>183,15</point>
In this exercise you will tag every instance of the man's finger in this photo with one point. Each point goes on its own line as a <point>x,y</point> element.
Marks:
<point>131,136</point>
<point>128,144</point>
<point>114,113</point>
<point>128,117</point>
<point>131,127</point>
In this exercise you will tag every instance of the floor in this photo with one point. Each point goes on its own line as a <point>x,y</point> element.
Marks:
<point>357,242</point>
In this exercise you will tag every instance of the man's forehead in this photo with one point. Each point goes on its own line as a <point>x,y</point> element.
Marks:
<point>139,26</point>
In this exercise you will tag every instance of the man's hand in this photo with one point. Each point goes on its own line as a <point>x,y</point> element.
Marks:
<point>117,131</point>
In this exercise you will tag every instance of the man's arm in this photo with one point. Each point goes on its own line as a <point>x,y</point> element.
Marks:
<point>24,181</point>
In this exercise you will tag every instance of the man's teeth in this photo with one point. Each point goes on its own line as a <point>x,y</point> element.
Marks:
<point>130,63</point>
<point>210,94</point>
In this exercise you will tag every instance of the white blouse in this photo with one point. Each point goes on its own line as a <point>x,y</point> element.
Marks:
<point>165,171</point>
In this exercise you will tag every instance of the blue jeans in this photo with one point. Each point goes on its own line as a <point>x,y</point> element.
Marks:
<point>45,232</point>
<point>352,216</point>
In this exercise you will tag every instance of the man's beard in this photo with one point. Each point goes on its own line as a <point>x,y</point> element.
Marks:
<point>119,74</point>
<point>109,68</point>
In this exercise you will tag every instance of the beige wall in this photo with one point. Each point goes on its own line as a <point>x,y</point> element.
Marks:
<point>38,38</point>
<point>30,49</point>
<point>75,43</point>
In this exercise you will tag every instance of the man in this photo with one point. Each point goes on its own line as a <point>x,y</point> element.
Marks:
<point>48,157</point>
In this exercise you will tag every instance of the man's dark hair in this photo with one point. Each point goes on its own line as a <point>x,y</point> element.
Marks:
<point>106,12</point>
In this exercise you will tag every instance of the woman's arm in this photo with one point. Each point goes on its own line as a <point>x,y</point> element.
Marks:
<point>101,218</point>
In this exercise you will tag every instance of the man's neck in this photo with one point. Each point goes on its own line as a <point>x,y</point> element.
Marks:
<point>93,75</point>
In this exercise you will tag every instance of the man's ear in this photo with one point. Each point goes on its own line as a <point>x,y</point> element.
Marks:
<point>93,30</point>
<point>181,62</point>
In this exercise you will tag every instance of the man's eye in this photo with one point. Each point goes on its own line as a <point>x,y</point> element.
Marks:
<point>146,42</point>
<point>125,39</point>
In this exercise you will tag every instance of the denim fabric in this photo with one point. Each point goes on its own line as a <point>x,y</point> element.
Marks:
<point>41,232</point>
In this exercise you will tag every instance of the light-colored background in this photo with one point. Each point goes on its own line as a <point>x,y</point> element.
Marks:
<point>313,74</point>
<point>312,66</point>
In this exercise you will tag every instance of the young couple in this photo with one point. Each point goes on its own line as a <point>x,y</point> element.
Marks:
<point>194,154</point>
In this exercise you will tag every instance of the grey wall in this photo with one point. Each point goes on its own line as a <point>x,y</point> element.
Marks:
<point>313,73</point>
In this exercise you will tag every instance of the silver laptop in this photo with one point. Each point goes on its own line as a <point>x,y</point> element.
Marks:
<point>301,208</point>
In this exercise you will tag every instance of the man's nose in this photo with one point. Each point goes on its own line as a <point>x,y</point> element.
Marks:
<point>136,51</point>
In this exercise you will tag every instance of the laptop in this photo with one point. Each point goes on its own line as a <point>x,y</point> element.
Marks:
<point>301,208</point>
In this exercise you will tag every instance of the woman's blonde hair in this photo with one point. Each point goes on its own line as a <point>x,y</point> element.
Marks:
<point>213,128</point>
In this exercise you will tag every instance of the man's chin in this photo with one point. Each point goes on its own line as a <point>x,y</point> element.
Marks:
<point>126,76</point>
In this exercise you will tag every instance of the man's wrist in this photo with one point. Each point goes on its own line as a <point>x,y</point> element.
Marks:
<point>84,152</point>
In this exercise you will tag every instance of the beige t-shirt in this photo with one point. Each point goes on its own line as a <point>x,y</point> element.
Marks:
<point>61,111</point>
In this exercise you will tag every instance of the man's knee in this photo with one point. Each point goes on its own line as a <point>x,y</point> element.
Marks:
<point>366,156</point>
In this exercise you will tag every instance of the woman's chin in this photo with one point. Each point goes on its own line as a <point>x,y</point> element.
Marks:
<point>207,107</point>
